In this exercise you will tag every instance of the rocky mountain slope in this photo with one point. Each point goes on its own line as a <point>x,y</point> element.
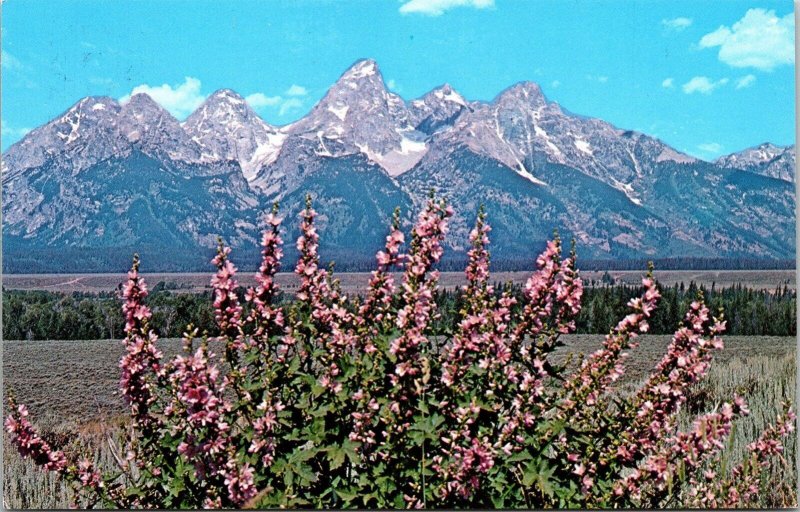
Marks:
<point>113,177</point>
<point>766,159</point>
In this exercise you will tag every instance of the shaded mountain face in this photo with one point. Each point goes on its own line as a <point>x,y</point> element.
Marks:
<point>766,159</point>
<point>111,176</point>
<point>128,200</point>
<point>437,109</point>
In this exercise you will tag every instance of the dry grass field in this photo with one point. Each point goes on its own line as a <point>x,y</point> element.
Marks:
<point>70,388</point>
<point>353,282</point>
<point>78,379</point>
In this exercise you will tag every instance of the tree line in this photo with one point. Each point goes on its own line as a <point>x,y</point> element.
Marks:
<point>27,260</point>
<point>43,315</point>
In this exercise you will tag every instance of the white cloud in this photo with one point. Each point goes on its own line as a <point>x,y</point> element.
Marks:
<point>678,24</point>
<point>668,83</point>
<point>745,81</point>
<point>13,132</point>
<point>555,84</point>
<point>260,100</point>
<point>101,81</point>
<point>597,78</point>
<point>710,147</point>
<point>703,85</point>
<point>296,90</point>
<point>438,7</point>
<point>8,61</point>
<point>289,105</point>
<point>759,40</point>
<point>180,100</point>
<point>183,99</point>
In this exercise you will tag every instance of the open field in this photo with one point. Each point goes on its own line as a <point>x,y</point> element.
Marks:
<point>70,389</point>
<point>353,282</point>
<point>76,379</point>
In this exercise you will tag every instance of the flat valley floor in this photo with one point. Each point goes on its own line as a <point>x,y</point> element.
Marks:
<point>353,282</point>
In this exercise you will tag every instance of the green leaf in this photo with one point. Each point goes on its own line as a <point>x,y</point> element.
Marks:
<point>519,456</point>
<point>288,478</point>
<point>133,491</point>
<point>539,474</point>
<point>365,499</point>
<point>336,457</point>
<point>303,455</point>
<point>346,495</point>
<point>498,501</point>
<point>176,486</point>
<point>349,448</point>
<point>305,472</point>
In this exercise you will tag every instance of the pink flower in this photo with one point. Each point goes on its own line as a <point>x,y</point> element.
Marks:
<point>227,311</point>
<point>28,442</point>
<point>142,359</point>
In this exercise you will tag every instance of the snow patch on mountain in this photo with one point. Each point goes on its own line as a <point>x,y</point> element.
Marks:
<point>340,112</point>
<point>584,146</point>
<point>530,177</point>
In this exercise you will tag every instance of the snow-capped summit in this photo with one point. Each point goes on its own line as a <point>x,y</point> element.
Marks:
<point>359,115</point>
<point>362,68</point>
<point>84,134</point>
<point>767,159</point>
<point>437,109</point>
<point>506,130</point>
<point>227,128</point>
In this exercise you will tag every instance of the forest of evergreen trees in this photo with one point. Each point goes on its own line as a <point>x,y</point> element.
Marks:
<point>28,260</point>
<point>42,315</point>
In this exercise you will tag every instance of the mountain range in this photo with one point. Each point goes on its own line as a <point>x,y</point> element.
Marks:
<point>106,179</point>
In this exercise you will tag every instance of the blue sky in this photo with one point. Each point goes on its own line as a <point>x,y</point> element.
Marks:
<point>706,77</point>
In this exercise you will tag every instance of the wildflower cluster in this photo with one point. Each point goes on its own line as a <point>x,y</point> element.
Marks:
<point>332,402</point>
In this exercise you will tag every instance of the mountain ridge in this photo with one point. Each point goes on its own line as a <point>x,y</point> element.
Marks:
<point>620,193</point>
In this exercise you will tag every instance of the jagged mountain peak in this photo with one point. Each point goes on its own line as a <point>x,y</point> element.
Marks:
<point>363,78</point>
<point>225,94</point>
<point>361,69</point>
<point>359,115</point>
<point>360,90</point>
<point>225,102</point>
<point>227,128</point>
<point>226,109</point>
<point>83,134</point>
<point>447,93</point>
<point>526,93</point>
<point>143,101</point>
<point>766,158</point>
<point>90,108</point>
<point>94,104</point>
<point>150,128</point>
<point>763,152</point>
<point>437,109</point>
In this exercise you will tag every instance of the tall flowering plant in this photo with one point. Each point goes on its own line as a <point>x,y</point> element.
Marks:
<point>339,402</point>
